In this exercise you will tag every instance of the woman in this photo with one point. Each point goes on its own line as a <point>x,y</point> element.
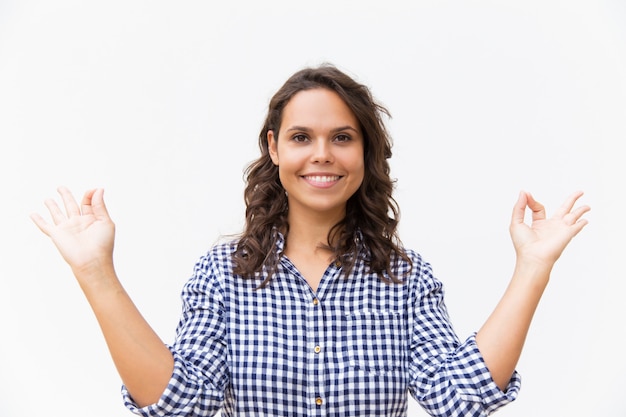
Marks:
<point>316,309</point>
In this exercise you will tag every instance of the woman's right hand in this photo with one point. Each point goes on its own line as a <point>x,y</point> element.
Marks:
<point>85,234</point>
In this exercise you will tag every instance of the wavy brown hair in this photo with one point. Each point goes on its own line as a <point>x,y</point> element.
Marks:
<point>371,213</point>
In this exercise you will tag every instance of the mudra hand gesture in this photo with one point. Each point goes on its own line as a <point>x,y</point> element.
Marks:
<point>543,241</point>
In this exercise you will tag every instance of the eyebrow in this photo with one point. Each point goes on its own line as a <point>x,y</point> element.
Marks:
<point>335,130</point>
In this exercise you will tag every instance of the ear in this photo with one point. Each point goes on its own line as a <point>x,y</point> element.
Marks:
<point>272,146</point>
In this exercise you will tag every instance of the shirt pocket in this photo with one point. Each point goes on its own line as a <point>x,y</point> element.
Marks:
<point>375,341</point>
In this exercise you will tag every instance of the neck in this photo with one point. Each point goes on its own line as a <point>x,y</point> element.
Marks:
<point>310,230</point>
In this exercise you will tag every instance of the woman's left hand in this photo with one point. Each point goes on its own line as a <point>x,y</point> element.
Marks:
<point>543,241</point>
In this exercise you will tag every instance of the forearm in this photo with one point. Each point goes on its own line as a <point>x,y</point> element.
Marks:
<point>502,337</point>
<point>143,361</point>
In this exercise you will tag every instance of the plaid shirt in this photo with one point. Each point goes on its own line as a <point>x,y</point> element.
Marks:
<point>356,347</point>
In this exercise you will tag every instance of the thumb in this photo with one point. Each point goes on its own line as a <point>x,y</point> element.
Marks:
<point>519,209</point>
<point>98,206</point>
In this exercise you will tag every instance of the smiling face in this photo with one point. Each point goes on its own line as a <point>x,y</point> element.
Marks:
<point>319,153</point>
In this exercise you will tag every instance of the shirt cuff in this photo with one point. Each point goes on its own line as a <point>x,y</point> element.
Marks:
<point>474,383</point>
<point>180,396</point>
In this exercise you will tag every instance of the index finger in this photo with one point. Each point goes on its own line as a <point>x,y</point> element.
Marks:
<point>85,204</point>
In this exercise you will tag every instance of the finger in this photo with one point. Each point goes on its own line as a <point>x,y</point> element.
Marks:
<point>566,207</point>
<point>538,210</point>
<point>97,204</point>
<point>519,209</point>
<point>55,212</point>
<point>578,226</point>
<point>575,216</point>
<point>40,223</point>
<point>71,207</point>
<point>85,205</point>
<point>580,211</point>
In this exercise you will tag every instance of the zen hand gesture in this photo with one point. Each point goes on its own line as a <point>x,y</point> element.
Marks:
<point>543,241</point>
<point>83,235</point>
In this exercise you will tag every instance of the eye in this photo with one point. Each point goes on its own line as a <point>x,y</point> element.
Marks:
<point>342,138</point>
<point>299,138</point>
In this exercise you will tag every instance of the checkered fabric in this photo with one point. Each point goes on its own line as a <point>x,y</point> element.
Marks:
<point>356,347</point>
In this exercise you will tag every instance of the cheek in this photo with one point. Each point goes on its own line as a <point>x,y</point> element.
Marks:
<point>286,171</point>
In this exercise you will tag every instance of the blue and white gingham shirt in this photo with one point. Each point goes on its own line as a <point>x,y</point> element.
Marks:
<point>356,347</point>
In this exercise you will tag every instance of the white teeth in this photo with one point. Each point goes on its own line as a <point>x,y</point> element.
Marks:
<point>322,178</point>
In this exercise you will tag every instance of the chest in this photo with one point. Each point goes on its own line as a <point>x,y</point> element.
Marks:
<point>351,328</point>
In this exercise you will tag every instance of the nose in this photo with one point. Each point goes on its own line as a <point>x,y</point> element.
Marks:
<point>322,152</point>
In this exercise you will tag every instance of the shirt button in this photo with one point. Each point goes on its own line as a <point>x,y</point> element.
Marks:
<point>316,301</point>
<point>317,349</point>
<point>319,401</point>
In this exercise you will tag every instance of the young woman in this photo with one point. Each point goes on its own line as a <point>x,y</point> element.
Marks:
<point>316,309</point>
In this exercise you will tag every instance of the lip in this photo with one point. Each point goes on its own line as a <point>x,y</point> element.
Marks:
<point>321,180</point>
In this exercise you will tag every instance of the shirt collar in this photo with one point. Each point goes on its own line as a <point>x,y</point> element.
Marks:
<point>279,240</point>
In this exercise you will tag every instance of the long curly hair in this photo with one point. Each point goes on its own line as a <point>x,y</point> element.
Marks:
<point>372,214</point>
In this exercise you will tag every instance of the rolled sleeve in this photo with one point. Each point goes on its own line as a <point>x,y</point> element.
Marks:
<point>473,382</point>
<point>449,378</point>
<point>200,372</point>
<point>185,395</point>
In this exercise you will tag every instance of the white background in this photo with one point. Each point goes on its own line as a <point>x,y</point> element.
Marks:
<point>161,104</point>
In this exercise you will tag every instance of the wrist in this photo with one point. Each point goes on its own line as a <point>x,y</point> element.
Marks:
<point>95,272</point>
<point>532,272</point>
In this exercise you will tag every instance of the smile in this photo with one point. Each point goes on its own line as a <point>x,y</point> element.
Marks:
<point>321,181</point>
<point>321,178</point>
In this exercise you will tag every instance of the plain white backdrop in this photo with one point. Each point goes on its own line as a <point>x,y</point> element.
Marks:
<point>161,104</point>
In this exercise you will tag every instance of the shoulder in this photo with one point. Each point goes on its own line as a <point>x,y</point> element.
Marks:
<point>411,262</point>
<point>219,256</point>
<point>218,263</point>
<point>420,272</point>
<point>213,265</point>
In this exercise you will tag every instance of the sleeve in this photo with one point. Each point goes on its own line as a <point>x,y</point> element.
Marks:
<point>200,374</point>
<point>447,377</point>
